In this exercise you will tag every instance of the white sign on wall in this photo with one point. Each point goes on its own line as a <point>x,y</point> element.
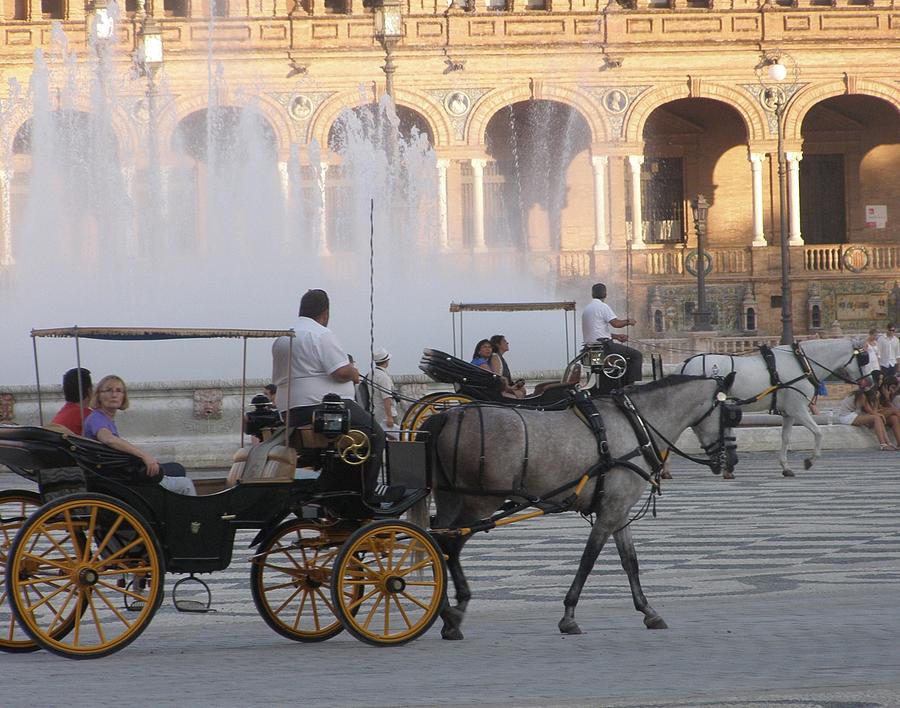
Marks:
<point>876,215</point>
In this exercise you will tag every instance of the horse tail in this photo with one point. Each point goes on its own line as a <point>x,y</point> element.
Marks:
<point>434,426</point>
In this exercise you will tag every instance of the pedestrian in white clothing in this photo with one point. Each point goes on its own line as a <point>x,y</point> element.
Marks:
<point>889,351</point>
<point>382,392</point>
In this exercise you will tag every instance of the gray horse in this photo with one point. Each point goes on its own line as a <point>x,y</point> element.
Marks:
<point>479,451</point>
<point>824,357</point>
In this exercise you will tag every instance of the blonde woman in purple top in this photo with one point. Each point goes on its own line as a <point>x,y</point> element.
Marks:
<point>111,396</point>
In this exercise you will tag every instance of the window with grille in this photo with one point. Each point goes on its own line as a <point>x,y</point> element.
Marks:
<point>662,200</point>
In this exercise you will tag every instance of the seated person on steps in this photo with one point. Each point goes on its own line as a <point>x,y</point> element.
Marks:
<point>596,321</point>
<point>316,364</point>
<point>112,396</point>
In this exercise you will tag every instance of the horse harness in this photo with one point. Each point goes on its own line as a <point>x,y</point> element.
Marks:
<point>587,411</point>
<point>776,384</point>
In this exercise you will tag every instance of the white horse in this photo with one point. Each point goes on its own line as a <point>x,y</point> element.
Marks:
<point>754,391</point>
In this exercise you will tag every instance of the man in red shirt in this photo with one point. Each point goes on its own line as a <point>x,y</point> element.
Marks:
<point>77,391</point>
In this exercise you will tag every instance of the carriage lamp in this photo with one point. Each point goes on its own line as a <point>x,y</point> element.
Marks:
<point>388,31</point>
<point>331,418</point>
<point>101,22</point>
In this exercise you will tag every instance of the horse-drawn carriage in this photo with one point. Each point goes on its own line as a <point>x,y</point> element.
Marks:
<point>85,562</point>
<point>84,572</point>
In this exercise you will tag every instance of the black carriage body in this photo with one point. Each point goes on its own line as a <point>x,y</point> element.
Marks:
<point>196,534</point>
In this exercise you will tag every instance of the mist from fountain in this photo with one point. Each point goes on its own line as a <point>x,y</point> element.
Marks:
<point>97,244</point>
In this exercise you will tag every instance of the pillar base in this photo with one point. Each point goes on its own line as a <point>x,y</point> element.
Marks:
<point>762,243</point>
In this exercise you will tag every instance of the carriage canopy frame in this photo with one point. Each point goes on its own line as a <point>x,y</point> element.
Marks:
<point>458,308</point>
<point>147,334</point>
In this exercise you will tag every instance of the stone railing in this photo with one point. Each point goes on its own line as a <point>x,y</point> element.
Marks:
<point>855,258</point>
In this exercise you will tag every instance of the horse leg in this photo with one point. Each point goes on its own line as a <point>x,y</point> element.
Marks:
<point>787,422</point>
<point>808,422</point>
<point>453,616</point>
<point>625,546</point>
<point>596,539</point>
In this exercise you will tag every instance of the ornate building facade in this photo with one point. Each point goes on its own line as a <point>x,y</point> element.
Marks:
<point>576,132</point>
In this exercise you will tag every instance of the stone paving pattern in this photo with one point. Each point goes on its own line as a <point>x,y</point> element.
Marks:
<point>777,592</point>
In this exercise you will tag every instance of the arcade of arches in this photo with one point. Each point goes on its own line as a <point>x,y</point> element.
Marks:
<point>585,159</point>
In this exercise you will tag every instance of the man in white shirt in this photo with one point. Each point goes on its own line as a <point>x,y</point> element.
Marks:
<point>317,364</point>
<point>597,319</point>
<point>889,350</point>
<point>382,393</point>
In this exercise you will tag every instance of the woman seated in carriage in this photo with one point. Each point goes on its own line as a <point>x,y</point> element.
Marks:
<point>110,396</point>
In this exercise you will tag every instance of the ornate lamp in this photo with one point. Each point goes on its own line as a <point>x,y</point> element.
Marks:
<point>388,31</point>
<point>778,73</point>
<point>700,210</point>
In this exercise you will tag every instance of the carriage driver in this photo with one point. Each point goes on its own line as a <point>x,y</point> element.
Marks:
<point>596,320</point>
<point>319,366</point>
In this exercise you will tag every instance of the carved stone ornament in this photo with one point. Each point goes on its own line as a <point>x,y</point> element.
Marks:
<point>300,108</point>
<point>208,404</point>
<point>457,103</point>
<point>7,407</point>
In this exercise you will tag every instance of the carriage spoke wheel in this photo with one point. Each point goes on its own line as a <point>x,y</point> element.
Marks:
<point>403,578</point>
<point>427,406</point>
<point>75,560</point>
<point>15,507</point>
<point>291,580</point>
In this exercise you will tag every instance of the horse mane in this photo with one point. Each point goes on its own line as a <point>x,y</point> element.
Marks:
<point>666,382</point>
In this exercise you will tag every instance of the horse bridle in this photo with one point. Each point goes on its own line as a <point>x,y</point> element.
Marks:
<point>861,356</point>
<point>717,451</point>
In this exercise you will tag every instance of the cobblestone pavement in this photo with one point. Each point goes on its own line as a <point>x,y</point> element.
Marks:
<point>777,592</point>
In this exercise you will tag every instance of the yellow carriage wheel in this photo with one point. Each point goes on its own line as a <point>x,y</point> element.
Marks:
<point>89,560</point>
<point>291,579</point>
<point>15,507</point>
<point>403,578</point>
<point>427,406</point>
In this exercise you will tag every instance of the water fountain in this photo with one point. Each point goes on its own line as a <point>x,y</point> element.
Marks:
<point>211,231</point>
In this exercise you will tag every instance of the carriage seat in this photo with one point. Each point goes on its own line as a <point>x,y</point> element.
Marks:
<point>449,369</point>
<point>265,463</point>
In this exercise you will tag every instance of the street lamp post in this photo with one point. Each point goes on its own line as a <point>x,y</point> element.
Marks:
<point>777,80</point>
<point>149,60</point>
<point>700,209</point>
<point>388,31</point>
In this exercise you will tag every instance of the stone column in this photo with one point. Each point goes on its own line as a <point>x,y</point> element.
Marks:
<point>6,257</point>
<point>601,231</point>
<point>478,201</point>
<point>637,221</point>
<point>442,164</point>
<point>793,169</point>
<point>323,217</point>
<point>285,180</point>
<point>759,235</point>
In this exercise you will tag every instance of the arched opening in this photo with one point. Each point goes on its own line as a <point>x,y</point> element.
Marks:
<point>658,322</point>
<point>382,153</point>
<point>851,161</point>
<point>815,317</point>
<point>750,320</point>
<point>68,183</point>
<point>224,186</point>
<point>538,181</point>
<point>694,146</point>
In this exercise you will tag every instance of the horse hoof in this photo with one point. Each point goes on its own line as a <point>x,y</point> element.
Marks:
<point>728,474</point>
<point>655,623</point>
<point>788,473</point>
<point>807,463</point>
<point>569,626</point>
<point>451,633</point>
<point>666,475</point>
